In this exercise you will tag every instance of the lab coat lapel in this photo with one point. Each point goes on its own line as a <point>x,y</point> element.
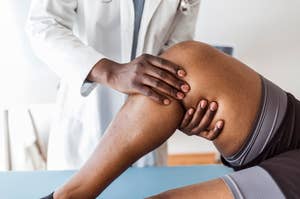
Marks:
<point>150,7</point>
<point>127,26</point>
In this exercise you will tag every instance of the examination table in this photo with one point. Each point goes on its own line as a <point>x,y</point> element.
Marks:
<point>135,183</point>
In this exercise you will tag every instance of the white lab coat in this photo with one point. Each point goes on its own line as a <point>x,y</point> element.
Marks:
<point>71,36</point>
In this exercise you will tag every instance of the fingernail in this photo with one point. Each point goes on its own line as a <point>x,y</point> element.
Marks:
<point>181,73</point>
<point>166,101</point>
<point>220,124</point>
<point>180,95</point>
<point>213,106</point>
<point>191,111</point>
<point>185,88</point>
<point>203,104</point>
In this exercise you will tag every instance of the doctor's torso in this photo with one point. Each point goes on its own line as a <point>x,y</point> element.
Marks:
<point>99,25</point>
<point>107,26</point>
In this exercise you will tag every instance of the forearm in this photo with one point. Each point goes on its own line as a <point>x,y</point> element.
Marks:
<point>140,126</point>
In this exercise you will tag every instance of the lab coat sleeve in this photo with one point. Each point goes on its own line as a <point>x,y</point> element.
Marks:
<point>49,26</point>
<point>184,25</point>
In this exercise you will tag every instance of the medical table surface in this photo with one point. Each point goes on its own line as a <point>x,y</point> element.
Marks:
<point>135,183</point>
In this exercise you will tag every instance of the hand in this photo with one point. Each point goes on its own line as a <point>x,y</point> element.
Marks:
<point>148,75</point>
<point>197,122</point>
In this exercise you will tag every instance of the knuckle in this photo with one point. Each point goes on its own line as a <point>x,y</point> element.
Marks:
<point>135,83</point>
<point>200,129</point>
<point>139,65</point>
<point>213,135</point>
<point>148,92</point>
<point>185,130</point>
<point>189,133</point>
<point>136,80</point>
<point>210,138</point>
<point>189,130</point>
<point>162,74</point>
<point>139,68</point>
<point>183,124</point>
<point>158,99</point>
<point>173,92</point>
<point>162,61</point>
<point>194,132</point>
<point>157,83</point>
<point>204,134</point>
<point>191,125</point>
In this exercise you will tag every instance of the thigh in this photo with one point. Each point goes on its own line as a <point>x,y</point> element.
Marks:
<point>218,77</point>
<point>213,189</point>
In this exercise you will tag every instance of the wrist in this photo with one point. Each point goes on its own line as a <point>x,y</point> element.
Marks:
<point>101,72</point>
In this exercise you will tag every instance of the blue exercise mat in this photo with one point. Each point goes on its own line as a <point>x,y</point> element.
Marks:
<point>135,183</point>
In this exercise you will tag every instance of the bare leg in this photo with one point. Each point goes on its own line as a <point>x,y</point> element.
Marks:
<point>206,190</point>
<point>140,126</point>
<point>143,125</point>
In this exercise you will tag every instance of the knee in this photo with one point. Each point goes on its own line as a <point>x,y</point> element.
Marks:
<point>201,64</point>
<point>191,51</point>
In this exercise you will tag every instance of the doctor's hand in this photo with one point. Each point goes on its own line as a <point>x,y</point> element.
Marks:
<point>198,120</point>
<point>148,75</point>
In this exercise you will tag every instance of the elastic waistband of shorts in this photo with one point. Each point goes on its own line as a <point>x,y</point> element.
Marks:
<point>269,118</point>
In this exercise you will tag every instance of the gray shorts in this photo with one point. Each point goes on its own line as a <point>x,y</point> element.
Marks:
<point>272,111</point>
<point>268,164</point>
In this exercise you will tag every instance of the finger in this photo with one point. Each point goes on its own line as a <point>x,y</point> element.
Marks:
<point>213,133</point>
<point>217,130</point>
<point>162,87</point>
<point>166,65</point>
<point>207,118</point>
<point>197,117</point>
<point>187,118</point>
<point>166,77</point>
<point>147,91</point>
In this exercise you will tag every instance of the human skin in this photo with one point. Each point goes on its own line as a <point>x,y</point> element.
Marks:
<point>143,125</point>
<point>159,79</point>
<point>196,121</point>
<point>146,75</point>
<point>211,189</point>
